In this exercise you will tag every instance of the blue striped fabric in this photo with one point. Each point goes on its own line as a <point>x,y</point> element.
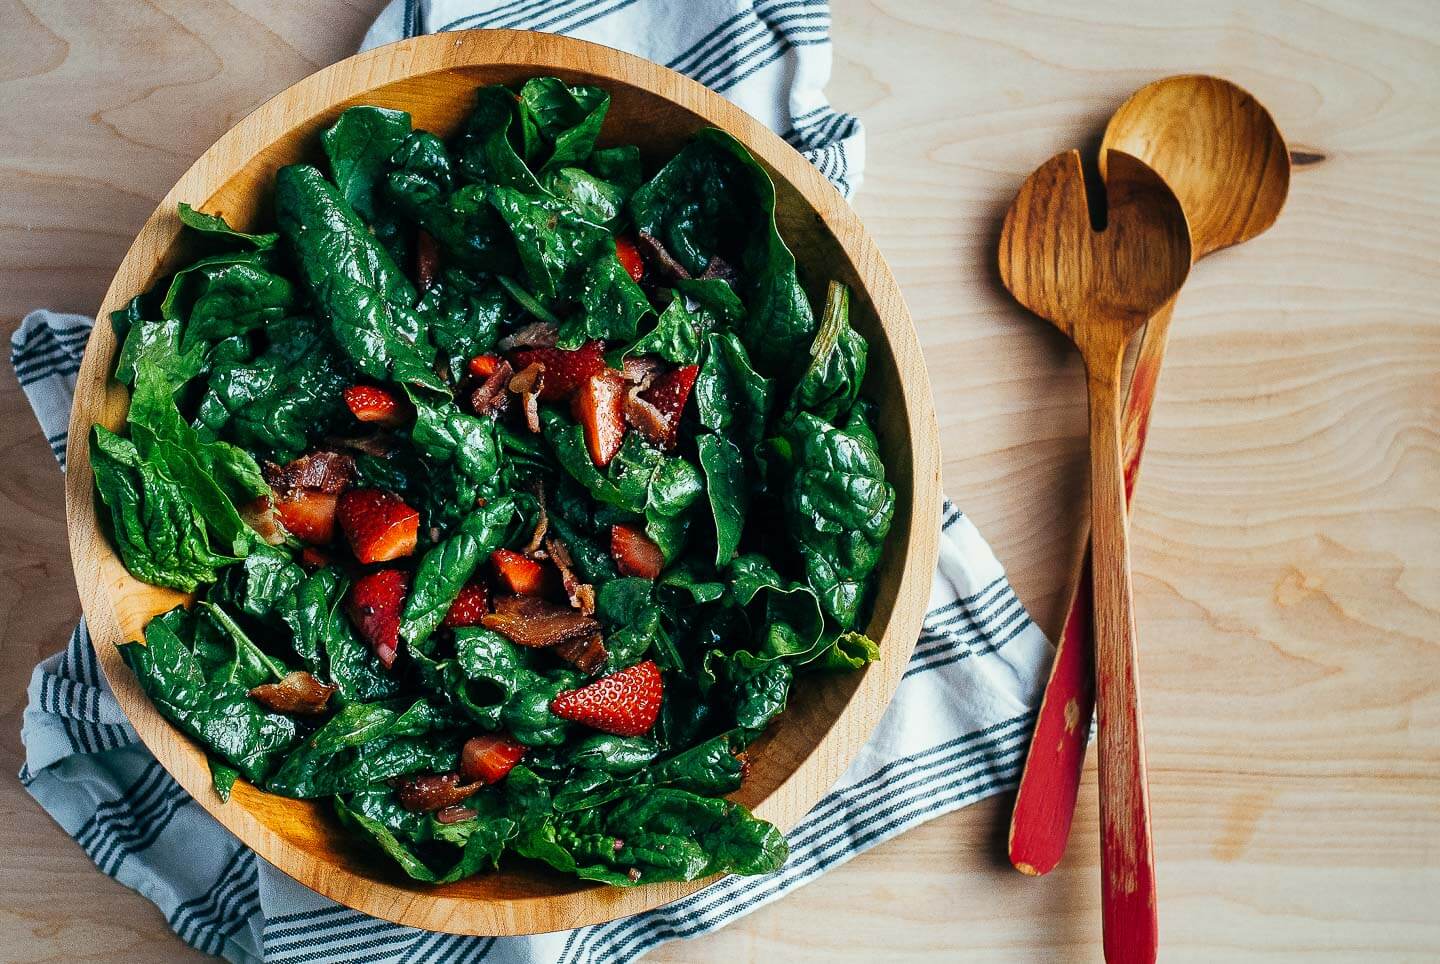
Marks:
<point>955,733</point>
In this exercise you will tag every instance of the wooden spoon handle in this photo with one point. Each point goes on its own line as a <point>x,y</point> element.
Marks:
<point>1126,858</point>
<point>1045,801</point>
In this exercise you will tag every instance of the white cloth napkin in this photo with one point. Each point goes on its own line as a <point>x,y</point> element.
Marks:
<point>955,733</point>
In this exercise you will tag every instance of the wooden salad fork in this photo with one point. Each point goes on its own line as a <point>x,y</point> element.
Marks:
<point>1099,285</point>
<point>1221,153</point>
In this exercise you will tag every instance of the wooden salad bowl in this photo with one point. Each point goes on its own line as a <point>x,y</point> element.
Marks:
<point>434,77</point>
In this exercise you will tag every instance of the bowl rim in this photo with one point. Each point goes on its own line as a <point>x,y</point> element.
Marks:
<point>94,561</point>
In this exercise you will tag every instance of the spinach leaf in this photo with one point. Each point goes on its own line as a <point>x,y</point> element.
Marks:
<point>527,715</point>
<point>224,295</point>
<point>156,345</point>
<point>618,166</point>
<point>359,145</point>
<point>267,576</point>
<point>611,306</point>
<point>325,641</point>
<point>711,767</point>
<point>363,744</point>
<point>222,776</point>
<point>567,119</point>
<point>556,244</point>
<point>831,383</point>
<point>713,200</point>
<point>676,337</point>
<point>850,651</point>
<point>787,615</point>
<point>214,228</point>
<point>160,536</point>
<point>618,755</point>
<point>839,509</point>
<point>483,843</point>
<point>464,317</point>
<point>352,278</point>
<point>726,489</point>
<point>757,688</point>
<point>448,565</point>
<point>731,398</point>
<point>217,712</point>
<point>598,201</point>
<point>483,150</point>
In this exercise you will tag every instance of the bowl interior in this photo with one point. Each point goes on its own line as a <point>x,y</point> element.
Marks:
<point>829,716</point>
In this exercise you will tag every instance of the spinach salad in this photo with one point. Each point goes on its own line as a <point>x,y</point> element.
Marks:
<point>516,484</point>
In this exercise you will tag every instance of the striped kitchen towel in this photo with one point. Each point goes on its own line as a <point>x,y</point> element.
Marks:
<point>955,733</point>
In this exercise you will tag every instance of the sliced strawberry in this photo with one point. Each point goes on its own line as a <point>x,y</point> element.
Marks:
<point>374,606</point>
<point>379,525</point>
<point>309,515</point>
<point>624,703</point>
<point>490,757</point>
<point>635,553</point>
<point>667,395</point>
<point>521,576</point>
<point>312,558</point>
<point>483,366</point>
<point>372,403</point>
<point>427,260</point>
<point>629,257</point>
<point>468,607</point>
<point>599,407</point>
<point>565,371</point>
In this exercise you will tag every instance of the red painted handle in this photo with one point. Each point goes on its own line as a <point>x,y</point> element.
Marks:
<point>1045,802</point>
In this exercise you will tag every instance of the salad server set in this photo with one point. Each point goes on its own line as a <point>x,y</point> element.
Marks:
<point>1190,165</point>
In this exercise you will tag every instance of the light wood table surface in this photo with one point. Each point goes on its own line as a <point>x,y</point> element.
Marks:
<point>1287,533</point>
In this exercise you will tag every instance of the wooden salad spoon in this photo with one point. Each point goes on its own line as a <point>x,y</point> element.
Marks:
<point>1223,156</point>
<point>1099,286</point>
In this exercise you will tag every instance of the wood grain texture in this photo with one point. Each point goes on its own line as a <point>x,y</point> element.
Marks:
<point>1221,153</point>
<point>1284,539</point>
<point>1098,269</point>
<point>434,78</point>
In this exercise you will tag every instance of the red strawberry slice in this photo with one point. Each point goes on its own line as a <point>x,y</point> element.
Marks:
<point>381,406</point>
<point>635,553</point>
<point>472,603</point>
<point>490,757</point>
<point>521,576</point>
<point>483,366</point>
<point>667,395</point>
<point>374,606</point>
<point>599,407</point>
<point>379,525</point>
<point>624,703</point>
<point>309,515</point>
<point>565,371</point>
<point>427,260</point>
<point>629,257</point>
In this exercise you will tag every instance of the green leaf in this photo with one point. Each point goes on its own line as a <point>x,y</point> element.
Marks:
<point>464,317</point>
<point>728,495</point>
<point>598,201</point>
<point>731,398</point>
<point>831,383</point>
<point>850,651</point>
<point>676,337</point>
<point>222,776</point>
<point>556,244</point>
<point>711,767</point>
<point>483,149</point>
<point>156,345</point>
<point>359,145</point>
<point>483,845</point>
<point>213,227</point>
<point>787,615</point>
<point>353,280</point>
<point>448,566</point>
<point>568,119</point>
<point>611,306</point>
<point>838,511</point>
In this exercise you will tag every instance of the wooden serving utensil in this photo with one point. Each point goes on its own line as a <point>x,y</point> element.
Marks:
<point>1099,286</point>
<point>1221,153</point>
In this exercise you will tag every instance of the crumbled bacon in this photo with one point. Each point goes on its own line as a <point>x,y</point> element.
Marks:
<point>648,420</point>
<point>587,654</point>
<point>323,471</point>
<point>299,694</point>
<point>539,334</point>
<point>720,268</point>
<point>640,370</point>
<point>538,623</point>
<point>456,813</point>
<point>434,791</point>
<point>542,525</point>
<point>382,444</point>
<point>489,395</point>
<point>528,384</point>
<point>655,251</point>
<point>582,595</point>
<point>259,514</point>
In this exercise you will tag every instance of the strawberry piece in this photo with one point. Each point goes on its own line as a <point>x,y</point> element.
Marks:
<point>371,403</point>
<point>309,515</point>
<point>624,703</point>
<point>374,606</point>
<point>635,553</point>
<point>522,576</point>
<point>599,407</point>
<point>312,559</point>
<point>668,394</point>
<point>565,371</point>
<point>629,257</point>
<point>427,260</point>
<point>379,525</point>
<point>490,757</point>
<point>469,606</point>
<point>483,366</point>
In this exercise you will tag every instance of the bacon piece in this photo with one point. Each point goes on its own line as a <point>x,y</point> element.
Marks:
<point>489,395</point>
<point>542,525</point>
<point>259,514</point>
<point>528,384</point>
<point>382,444</point>
<point>538,623</point>
<point>640,370</point>
<point>587,654</point>
<point>298,694</point>
<point>538,334</point>
<point>657,253</point>
<point>434,791</point>
<point>582,595</point>
<point>323,471</point>
<point>456,813</point>
<point>642,414</point>
<point>720,268</point>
